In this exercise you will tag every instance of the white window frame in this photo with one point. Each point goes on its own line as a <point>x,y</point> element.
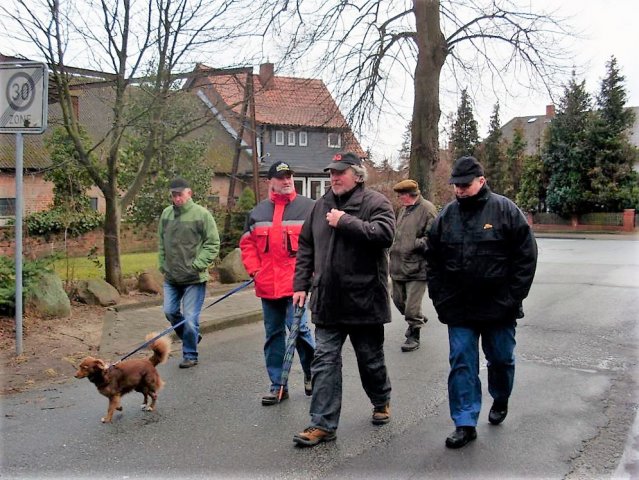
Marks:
<point>279,137</point>
<point>291,139</point>
<point>339,140</point>
<point>303,140</point>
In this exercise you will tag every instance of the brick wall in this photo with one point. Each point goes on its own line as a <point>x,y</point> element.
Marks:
<point>37,193</point>
<point>133,239</point>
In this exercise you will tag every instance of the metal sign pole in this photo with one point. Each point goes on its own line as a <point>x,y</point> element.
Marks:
<point>24,101</point>
<point>18,230</point>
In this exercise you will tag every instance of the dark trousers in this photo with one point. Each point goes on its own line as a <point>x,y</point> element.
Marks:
<point>464,385</point>
<point>368,343</point>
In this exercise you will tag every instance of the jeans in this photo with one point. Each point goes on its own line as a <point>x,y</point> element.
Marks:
<point>464,385</point>
<point>278,316</point>
<point>407,297</point>
<point>368,343</point>
<point>190,298</point>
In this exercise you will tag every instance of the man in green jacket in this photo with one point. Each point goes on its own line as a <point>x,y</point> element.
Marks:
<point>188,244</point>
<point>407,261</point>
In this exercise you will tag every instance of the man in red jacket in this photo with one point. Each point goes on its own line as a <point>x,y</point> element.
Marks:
<point>269,248</point>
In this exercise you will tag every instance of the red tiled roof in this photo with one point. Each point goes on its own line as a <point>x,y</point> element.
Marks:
<point>290,102</point>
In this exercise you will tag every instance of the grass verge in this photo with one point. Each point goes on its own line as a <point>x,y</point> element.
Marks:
<point>85,268</point>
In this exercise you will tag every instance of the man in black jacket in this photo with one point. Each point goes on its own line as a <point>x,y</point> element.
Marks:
<point>342,260</point>
<point>482,257</point>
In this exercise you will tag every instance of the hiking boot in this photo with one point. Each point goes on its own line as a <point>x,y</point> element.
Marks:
<point>498,413</point>
<point>271,398</point>
<point>412,340</point>
<point>313,436</point>
<point>381,414</point>
<point>308,386</point>
<point>188,363</point>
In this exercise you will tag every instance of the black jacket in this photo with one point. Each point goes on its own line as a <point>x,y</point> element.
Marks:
<point>346,268</point>
<point>482,257</point>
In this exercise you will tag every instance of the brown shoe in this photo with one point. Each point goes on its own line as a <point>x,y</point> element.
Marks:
<point>313,436</point>
<point>381,414</point>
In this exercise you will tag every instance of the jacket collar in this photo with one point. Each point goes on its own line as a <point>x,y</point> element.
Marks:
<point>184,208</point>
<point>282,197</point>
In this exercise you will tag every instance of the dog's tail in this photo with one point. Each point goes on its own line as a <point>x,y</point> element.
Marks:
<point>161,348</point>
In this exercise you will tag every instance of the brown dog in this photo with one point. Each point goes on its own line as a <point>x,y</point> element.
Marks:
<point>137,374</point>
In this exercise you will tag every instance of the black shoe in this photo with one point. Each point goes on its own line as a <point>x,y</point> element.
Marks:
<point>461,436</point>
<point>498,413</point>
<point>199,338</point>
<point>188,363</point>
<point>412,340</point>
<point>410,345</point>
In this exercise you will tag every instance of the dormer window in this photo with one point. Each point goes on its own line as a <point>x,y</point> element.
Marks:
<point>334,140</point>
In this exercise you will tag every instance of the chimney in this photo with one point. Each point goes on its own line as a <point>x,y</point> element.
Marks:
<point>550,111</point>
<point>266,76</point>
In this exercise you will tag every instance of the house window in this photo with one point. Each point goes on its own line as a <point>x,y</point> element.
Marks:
<point>291,139</point>
<point>93,203</point>
<point>279,137</point>
<point>8,206</point>
<point>299,187</point>
<point>303,139</point>
<point>334,140</point>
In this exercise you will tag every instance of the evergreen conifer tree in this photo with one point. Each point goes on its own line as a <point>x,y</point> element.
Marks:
<point>491,154</point>
<point>612,182</point>
<point>464,137</point>
<point>566,156</point>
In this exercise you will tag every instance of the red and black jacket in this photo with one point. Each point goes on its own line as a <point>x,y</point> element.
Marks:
<point>270,241</point>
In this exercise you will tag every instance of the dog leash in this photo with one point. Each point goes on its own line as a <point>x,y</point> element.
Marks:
<point>173,327</point>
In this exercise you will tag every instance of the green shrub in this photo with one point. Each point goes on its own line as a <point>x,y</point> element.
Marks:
<point>59,219</point>
<point>31,272</point>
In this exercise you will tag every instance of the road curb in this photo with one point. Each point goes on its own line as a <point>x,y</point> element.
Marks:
<point>221,290</point>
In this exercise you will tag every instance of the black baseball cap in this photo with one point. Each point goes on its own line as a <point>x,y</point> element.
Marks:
<point>341,161</point>
<point>465,170</point>
<point>279,169</point>
<point>178,184</point>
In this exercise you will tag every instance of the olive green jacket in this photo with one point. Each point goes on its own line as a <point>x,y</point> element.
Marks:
<point>407,260</point>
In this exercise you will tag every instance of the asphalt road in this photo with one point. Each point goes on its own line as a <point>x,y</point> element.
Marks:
<point>571,414</point>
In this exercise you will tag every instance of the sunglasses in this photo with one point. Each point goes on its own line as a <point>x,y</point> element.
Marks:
<point>463,185</point>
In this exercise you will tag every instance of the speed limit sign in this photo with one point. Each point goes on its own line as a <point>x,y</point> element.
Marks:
<point>23,97</point>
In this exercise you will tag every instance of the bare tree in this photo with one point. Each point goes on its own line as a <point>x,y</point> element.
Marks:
<point>370,46</point>
<point>132,45</point>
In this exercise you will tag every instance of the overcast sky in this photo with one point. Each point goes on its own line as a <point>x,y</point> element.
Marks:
<point>607,27</point>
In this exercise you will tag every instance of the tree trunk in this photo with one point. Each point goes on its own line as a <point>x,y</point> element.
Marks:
<point>112,266</point>
<point>432,52</point>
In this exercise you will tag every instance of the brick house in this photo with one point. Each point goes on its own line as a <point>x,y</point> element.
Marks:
<point>296,120</point>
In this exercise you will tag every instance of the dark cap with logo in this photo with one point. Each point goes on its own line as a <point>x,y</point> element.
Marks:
<point>279,169</point>
<point>341,161</point>
<point>465,170</point>
<point>178,184</point>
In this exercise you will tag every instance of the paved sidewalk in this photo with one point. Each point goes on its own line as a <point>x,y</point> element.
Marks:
<point>125,327</point>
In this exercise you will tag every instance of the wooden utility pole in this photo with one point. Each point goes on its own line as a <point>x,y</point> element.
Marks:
<point>256,169</point>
